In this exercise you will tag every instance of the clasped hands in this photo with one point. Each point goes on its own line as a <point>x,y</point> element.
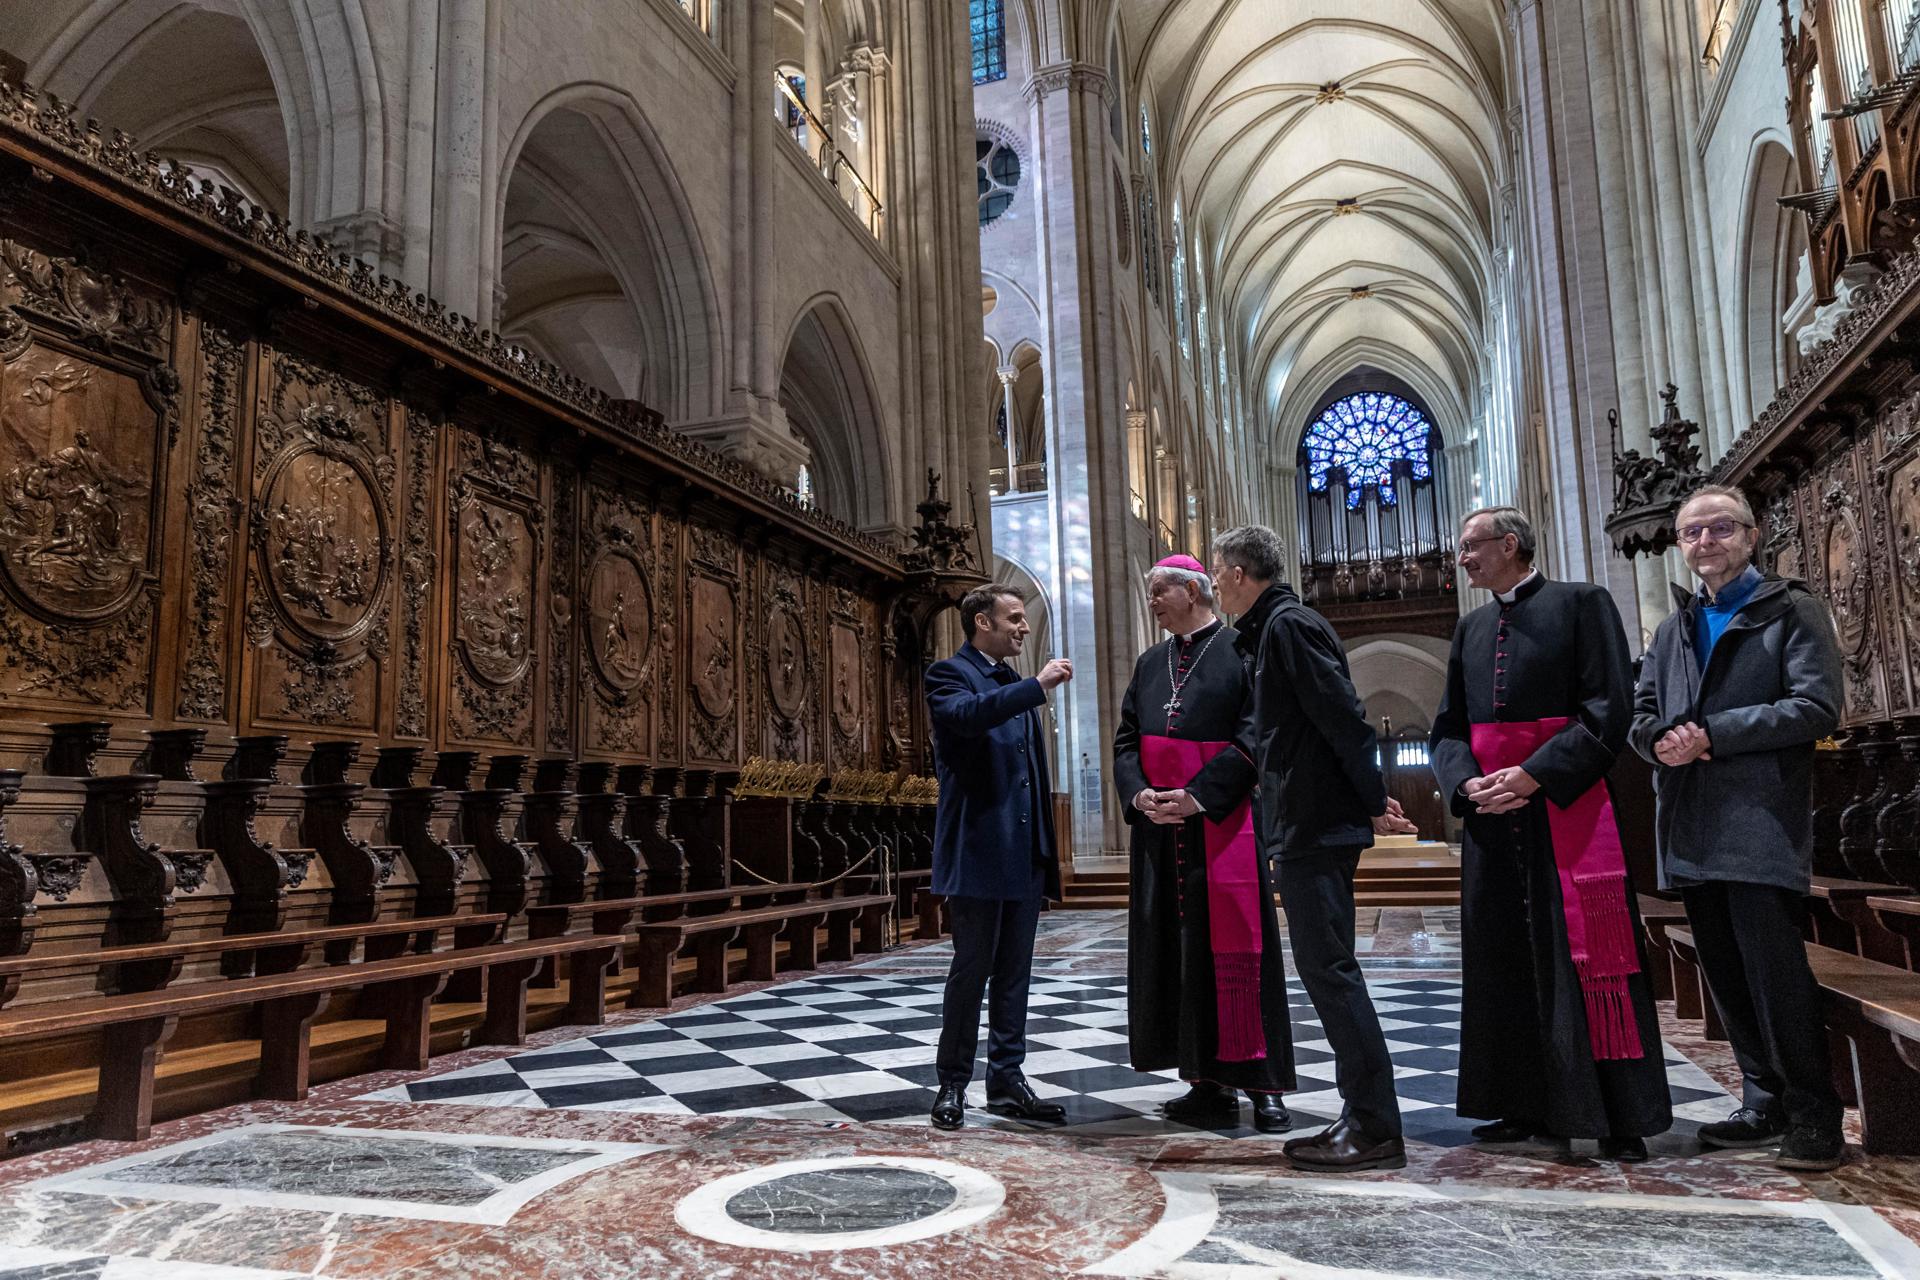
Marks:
<point>1169,807</point>
<point>1166,807</point>
<point>1683,744</point>
<point>1501,791</point>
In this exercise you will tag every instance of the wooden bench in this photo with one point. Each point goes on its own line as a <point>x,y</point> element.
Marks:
<point>135,1025</point>
<point>918,901</point>
<point>1841,918</point>
<point>613,915</point>
<point>1655,915</point>
<point>1877,1008</point>
<point>1688,978</point>
<point>154,965</point>
<point>758,930</point>
<point>1900,917</point>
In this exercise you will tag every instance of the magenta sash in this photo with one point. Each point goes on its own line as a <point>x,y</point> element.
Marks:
<point>1233,896</point>
<point>1593,887</point>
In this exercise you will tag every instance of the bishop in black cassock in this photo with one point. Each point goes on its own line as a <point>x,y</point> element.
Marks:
<point>1210,1001</point>
<point>1558,1034</point>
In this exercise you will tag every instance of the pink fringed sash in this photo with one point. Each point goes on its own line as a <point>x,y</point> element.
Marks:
<point>1233,896</point>
<point>1593,887</point>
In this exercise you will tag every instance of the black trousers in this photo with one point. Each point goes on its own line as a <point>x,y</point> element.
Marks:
<point>992,947</point>
<point>1317,890</point>
<point>1748,937</point>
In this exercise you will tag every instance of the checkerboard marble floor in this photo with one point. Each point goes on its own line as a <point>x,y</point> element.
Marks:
<point>857,1046</point>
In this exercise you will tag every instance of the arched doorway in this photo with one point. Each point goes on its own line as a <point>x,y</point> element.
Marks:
<point>831,406</point>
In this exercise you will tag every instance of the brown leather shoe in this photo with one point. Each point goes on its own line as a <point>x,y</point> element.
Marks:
<point>1343,1149</point>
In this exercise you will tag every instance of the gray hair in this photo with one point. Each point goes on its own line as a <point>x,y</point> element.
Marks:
<point>1170,572</point>
<point>1255,549</point>
<point>1508,520</point>
<point>1720,491</point>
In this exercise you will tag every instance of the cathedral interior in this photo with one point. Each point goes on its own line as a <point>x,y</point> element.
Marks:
<point>482,483</point>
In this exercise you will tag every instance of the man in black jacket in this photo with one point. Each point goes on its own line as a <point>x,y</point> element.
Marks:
<point>1321,801</point>
<point>1736,688</point>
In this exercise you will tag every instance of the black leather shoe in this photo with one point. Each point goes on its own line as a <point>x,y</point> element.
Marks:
<point>950,1106</point>
<point>1503,1131</point>
<point>1812,1150</point>
<point>1624,1150</point>
<point>1270,1115</point>
<point>1344,1149</point>
<point>1205,1105</point>
<point>1020,1101</point>
<point>1747,1127</point>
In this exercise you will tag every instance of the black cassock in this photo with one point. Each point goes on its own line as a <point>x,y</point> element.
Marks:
<point>1172,1016</point>
<point>1525,1050</point>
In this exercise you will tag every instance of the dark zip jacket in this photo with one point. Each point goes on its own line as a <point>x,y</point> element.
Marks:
<point>1318,759</point>
<point>1769,691</point>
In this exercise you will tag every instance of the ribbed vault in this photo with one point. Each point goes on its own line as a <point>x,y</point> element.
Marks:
<point>1343,164</point>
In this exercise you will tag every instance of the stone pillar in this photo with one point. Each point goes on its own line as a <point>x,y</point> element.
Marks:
<point>1085,447</point>
<point>1460,463</point>
<point>1285,484</point>
<point>464,264</point>
<point>1564,459</point>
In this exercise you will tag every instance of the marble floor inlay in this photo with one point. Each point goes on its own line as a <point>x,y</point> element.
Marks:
<point>780,1132</point>
<point>19,1263</point>
<point>1261,1229</point>
<point>391,1173</point>
<point>857,1046</point>
<point>804,1206</point>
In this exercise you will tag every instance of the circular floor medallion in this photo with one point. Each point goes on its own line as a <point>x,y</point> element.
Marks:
<point>847,1202</point>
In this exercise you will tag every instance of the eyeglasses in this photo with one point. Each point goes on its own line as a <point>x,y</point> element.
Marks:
<point>1720,529</point>
<point>1468,544</point>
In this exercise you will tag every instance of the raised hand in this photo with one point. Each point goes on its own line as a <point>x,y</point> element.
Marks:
<point>1057,672</point>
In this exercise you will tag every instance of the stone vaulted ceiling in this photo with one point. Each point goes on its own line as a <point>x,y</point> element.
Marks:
<point>1342,162</point>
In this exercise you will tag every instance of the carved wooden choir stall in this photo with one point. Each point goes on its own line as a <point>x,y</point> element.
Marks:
<point>369,688</point>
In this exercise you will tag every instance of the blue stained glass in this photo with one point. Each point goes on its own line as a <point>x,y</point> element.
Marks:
<point>1364,435</point>
<point>988,22</point>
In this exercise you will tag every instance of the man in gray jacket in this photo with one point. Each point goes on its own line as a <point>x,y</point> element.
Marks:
<point>1735,689</point>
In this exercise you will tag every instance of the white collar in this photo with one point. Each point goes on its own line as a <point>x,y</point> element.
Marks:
<point>1187,637</point>
<point>1508,597</point>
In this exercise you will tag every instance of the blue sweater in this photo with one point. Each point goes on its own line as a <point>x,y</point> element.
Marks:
<point>1713,615</point>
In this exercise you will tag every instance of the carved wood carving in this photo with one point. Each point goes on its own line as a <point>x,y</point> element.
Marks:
<point>618,627</point>
<point>213,510</point>
<point>88,403</point>
<point>321,535</point>
<point>497,528</point>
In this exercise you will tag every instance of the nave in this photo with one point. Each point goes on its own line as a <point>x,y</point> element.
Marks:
<point>780,1131</point>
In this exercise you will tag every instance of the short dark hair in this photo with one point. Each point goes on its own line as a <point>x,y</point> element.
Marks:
<point>982,600</point>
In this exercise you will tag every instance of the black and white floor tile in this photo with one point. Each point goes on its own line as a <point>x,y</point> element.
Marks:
<point>858,1047</point>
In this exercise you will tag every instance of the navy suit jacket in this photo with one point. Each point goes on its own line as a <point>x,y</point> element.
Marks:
<point>995,817</point>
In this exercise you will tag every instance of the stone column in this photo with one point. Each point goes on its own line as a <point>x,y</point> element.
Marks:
<point>1086,446</point>
<point>1563,456</point>
<point>1460,463</point>
<point>1284,480</point>
<point>464,264</point>
<point>753,428</point>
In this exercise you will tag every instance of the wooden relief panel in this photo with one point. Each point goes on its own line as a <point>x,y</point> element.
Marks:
<point>1843,572</point>
<point>213,520</point>
<point>88,398</point>
<point>419,573</point>
<point>792,665</point>
<point>618,628</point>
<point>713,666</point>
<point>496,527</point>
<point>560,610</point>
<point>850,635</point>
<point>321,544</point>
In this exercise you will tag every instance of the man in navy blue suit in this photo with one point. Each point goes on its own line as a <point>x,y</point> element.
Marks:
<point>993,848</point>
